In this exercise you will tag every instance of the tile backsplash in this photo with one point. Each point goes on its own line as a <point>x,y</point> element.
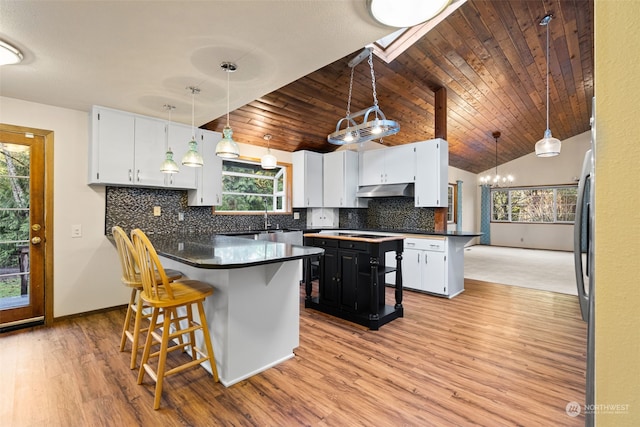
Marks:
<point>133,208</point>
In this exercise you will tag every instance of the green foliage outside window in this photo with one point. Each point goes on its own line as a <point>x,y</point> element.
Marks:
<point>246,187</point>
<point>538,205</point>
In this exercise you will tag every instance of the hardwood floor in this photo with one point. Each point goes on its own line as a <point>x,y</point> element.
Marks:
<point>495,355</point>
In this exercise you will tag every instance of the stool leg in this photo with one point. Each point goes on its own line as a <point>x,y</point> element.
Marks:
<point>162,358</point>
<point>147,344</point>
<point>207,341</point>
<point>127,318</point>
<point>136,331</point>
<point>192,334</point>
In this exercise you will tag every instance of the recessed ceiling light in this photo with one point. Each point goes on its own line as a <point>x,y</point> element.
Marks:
<point>9,54</point>
<point>405,13</point>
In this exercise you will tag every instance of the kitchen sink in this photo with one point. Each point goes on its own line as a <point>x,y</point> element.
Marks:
<point>293,237</point>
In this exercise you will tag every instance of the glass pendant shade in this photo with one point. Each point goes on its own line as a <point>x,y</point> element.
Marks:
<point>268,161</point>
<point>548,146</point>
<point>227,147</point>
<point>407,13</point>
<point>169,165</point>
<point>192,158</point>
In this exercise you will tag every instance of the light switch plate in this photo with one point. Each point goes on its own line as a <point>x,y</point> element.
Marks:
<point>296,215</point>
<point>76,230</point>
<point>156,211</point>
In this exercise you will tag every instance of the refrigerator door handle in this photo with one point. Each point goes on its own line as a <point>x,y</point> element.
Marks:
<point>583,298</point>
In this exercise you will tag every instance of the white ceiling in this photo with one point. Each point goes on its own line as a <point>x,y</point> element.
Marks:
<point>139,55</point>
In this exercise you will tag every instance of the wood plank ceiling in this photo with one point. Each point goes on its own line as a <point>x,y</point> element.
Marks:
<point>490,56</point>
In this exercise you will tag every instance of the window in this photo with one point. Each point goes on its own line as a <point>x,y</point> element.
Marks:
<point>535,204</point>
<point>452,205</point>
<point>246,187</point>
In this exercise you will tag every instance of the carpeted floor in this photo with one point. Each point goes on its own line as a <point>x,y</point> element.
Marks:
<point>529,268</point>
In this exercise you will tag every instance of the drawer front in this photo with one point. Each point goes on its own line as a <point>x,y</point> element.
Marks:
<point>436,245</point>
<point>323,243</point>
<point>351,244</point>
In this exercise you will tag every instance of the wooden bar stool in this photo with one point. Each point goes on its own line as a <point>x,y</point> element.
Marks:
<point>131,278</point>
<point>166,298</point>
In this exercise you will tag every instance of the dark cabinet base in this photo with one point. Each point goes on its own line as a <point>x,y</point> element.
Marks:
<point>385,315</point>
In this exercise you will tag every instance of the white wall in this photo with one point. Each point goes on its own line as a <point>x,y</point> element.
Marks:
<point>86,270</point>
<point>530,170</point>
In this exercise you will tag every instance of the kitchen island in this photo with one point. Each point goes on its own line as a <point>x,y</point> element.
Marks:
<point>352,277</point>
<point>254,313</point>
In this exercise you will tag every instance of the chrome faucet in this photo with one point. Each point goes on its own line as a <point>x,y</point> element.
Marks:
<point>266,218</point>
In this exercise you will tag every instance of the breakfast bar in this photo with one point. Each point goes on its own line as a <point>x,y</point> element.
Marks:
<point>253,315</point>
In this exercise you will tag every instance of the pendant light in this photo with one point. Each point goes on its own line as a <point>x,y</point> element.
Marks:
<point>169,165</point>
<point>496,180</point>
<point>548,146</point>
<point>192,158</point>
<point>227,147</point>
<point>268,161</point>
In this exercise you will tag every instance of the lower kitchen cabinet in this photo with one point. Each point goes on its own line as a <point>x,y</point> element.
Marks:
<point>351,280</point>
<point>432,265</point>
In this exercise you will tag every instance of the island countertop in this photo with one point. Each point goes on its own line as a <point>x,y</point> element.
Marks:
<point>215,251</point>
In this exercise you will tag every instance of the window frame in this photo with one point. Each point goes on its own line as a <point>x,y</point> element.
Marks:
<point>285,194</point>
<point>509,208</point>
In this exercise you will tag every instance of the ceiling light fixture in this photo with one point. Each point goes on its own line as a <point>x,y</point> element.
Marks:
<point>192,158</point>
<point>548,146</point>
<point>406,13</point>
<point>268,161</point>
<point>9,54</point>
<point>378,127</point>
<point>496,180</point>
<point>169,165</point>
<point>227,147</point>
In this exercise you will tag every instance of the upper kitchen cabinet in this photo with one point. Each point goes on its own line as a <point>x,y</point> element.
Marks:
<point>307,179</point>
<point>432,173</point>
<point>340,178</point>
<point>394,165</point>
<point>178,138</point>
<point>208,190</point>
<point>126,149</point>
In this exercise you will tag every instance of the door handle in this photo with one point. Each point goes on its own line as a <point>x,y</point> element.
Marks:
<point>36,240</point>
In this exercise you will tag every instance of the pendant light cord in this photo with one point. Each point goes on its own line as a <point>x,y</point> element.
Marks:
<point>228,71</point>
<point>548,73</point>
<point>496,156</point>
<point>193,111</point>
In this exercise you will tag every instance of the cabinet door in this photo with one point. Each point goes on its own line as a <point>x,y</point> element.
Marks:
<point>333,180</point>
<point>348,284</point>
<point>412,269</point>
<point>307,179</point>
<point>400,164</point>
<point>149,153</point>
<point>432,173</point>
<point>209,177</point>
<point>178,138</point>
<point>113,147</point>
<point>434,272</point>
<point>372,167</point>
<point>328,278</point>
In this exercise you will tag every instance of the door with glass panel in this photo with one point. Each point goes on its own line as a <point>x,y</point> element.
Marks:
<point>22,227</point>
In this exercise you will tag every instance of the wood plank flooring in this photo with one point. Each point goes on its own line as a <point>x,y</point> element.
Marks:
<point>493,356</point>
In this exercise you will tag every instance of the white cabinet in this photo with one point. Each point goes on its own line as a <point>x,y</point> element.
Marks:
<point>125,149</point>
<point>322,217</point>
<point>208,190</point>
<point>432,160</point>
<point>434,265</point>
<point>340,180</point>
<point>394,165</point>
<point>307,179</point>
<point>178,138</point>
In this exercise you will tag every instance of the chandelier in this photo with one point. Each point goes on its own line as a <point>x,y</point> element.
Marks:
<point>496,180</point>
<point>374,123</point>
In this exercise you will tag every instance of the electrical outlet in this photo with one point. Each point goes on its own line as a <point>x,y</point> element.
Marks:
<point>76,230</point>
<point>180,216</point>
<point>156,211</point>
<point>296,215</point>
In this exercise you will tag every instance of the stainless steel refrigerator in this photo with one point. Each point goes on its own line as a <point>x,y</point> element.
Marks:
<point>584,245</point>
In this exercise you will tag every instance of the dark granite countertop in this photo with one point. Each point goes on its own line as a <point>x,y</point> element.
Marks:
<point>226,252</point>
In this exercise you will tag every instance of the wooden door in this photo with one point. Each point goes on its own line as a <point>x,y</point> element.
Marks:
<point>25,224</point>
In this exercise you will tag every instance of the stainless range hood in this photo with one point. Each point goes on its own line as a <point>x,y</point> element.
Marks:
<point>386,190</point>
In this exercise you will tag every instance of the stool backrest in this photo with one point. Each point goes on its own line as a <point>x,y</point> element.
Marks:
<point>150,268</point>
<point>128,257</point>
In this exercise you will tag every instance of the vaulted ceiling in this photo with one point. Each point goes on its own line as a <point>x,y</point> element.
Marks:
<point>490,56</point>
<point>293,77</point>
